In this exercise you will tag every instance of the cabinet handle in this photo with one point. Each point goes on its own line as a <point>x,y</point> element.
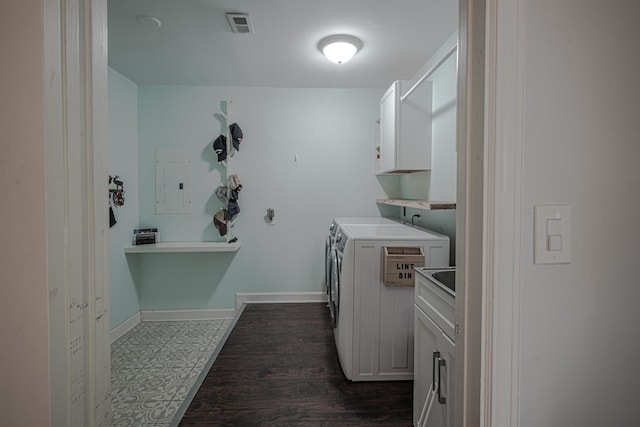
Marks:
<point>441,364</point>
<point>436,355</point>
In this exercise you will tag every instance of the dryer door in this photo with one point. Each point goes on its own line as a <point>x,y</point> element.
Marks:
<point>327,264</point>
<point>334,290</point>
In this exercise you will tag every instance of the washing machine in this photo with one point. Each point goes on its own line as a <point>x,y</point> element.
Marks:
<point>373,323</point>
<point>336,223</point>
<point>333,229</point>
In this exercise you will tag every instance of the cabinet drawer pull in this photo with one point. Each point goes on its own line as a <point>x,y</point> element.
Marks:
<point>441,364</point>
<point>435,356</point>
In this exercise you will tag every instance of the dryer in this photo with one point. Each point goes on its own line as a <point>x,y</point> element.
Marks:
<point>333,229</point>
<point>358,220</point>
<point>336,223</point>
<point>373,327</point>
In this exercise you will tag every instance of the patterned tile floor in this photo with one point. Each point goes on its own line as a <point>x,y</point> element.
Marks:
<point>155,365</point>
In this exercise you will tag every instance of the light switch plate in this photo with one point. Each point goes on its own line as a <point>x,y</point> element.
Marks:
<point>552,228</point>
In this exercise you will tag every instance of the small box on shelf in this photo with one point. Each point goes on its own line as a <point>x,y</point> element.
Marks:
<point>145,236</point>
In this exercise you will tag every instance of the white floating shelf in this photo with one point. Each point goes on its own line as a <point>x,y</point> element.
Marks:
<point>417,204</point>
<point>174,247</point>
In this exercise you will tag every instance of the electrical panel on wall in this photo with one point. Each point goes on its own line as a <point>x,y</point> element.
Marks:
<point>173,181</point>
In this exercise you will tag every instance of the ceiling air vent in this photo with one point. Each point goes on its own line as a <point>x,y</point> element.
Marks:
<point>240,23</point>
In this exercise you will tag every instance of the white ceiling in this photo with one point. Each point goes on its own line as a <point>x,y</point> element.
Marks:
<point>195,45</point>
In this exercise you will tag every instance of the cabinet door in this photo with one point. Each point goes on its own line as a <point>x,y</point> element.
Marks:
<point>427,335</point>
<point>405,129</point>
<point>388,128</point>
<point>445,376</point>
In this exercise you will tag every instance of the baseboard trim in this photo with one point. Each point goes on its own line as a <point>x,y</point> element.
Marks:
<point>125,327</point>
<point>203,314</point>
<point>278,297</point>
<point>217,313</point>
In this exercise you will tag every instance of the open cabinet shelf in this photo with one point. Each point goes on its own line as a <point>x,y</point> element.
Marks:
<point>417,204</point>
<point>174,247</point>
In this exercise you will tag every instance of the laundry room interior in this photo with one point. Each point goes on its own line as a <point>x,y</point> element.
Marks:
<point>310,151</point>
<point>262,324</point>
<point>307,153</point>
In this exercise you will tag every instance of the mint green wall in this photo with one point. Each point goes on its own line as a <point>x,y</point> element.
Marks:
<point>123,161</point>
<point>332,133</point>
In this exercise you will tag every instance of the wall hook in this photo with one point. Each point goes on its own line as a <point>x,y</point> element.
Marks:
<point>117,193</point>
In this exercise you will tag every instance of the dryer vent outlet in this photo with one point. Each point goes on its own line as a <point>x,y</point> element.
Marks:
<point>240,23</point>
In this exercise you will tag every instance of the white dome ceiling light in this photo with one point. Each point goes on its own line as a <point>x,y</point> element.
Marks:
<point>340,48</point>
<point>149,21</point>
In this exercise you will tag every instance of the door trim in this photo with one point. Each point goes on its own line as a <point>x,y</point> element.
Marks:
<point>75,111</point>
<point>469,213</point>
<point>502,275</point>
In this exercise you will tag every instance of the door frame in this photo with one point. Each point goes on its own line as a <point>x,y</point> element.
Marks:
<point>469,213</point>
<point>75,112</point>
<point>490,139</point>
<point>503,225</point>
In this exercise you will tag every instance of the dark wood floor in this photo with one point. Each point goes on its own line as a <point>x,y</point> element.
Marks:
<point>279,367</point>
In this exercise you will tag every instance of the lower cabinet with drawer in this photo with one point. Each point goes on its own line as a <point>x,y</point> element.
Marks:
<point>433,353</point>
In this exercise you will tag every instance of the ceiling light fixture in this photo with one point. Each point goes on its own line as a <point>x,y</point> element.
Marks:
<point>340,48</point>
<point>149,21</point>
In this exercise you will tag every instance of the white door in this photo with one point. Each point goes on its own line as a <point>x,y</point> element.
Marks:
<point>444,375</point>
<point>388,132</point>
<point>427,335</point>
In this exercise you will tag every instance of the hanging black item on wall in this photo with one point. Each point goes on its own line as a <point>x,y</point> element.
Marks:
<point>236,135</point>
<point>112,218</point>
<point>233,208</point>
<point>220,221</point>
<point>220,147</point>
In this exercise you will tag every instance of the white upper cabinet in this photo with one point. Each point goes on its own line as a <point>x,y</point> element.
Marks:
<point>405,129</point>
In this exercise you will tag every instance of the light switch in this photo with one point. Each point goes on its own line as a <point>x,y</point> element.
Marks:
<point>552,234</point>
<point>554,226</point>
<point>554,242</point>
